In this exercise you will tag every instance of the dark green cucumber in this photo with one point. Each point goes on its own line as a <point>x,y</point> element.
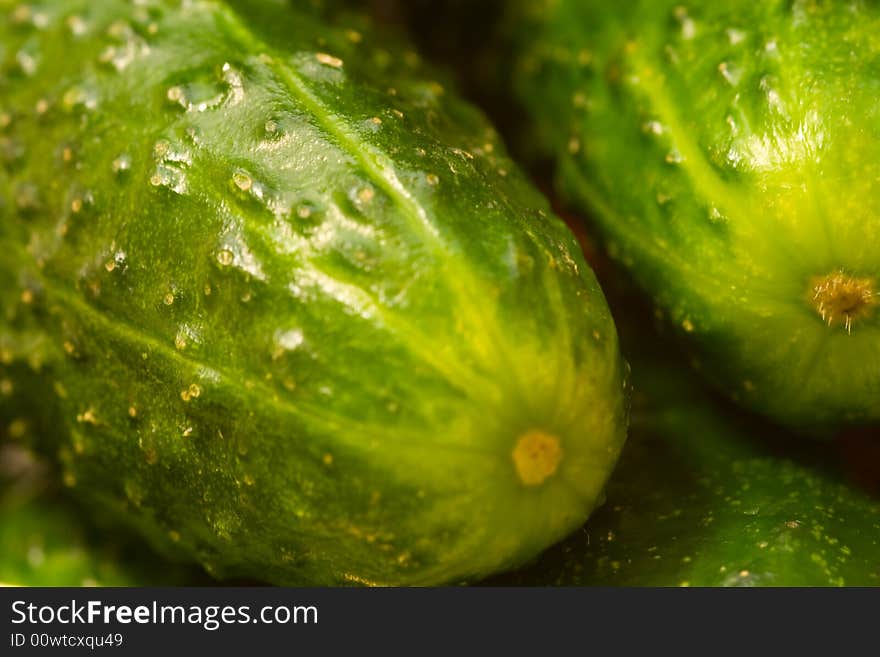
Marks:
<point>302,318</point>
<point>728,153</point>
<point>704,496</point>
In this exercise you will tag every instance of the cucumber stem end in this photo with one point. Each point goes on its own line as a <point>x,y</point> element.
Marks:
<point>842,299</point>
<point>536,457</point>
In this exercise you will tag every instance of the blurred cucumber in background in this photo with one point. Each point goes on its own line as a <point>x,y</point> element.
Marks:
<point>47,540</point>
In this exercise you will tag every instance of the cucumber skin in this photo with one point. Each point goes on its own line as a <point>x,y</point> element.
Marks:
<point>707,496</point>
<point>296,335</point>
<point>727,153</point>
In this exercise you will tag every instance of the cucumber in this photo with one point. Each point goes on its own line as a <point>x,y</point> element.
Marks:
<point>706,496</point>
<point>301,317</point>
<point>727,153</point>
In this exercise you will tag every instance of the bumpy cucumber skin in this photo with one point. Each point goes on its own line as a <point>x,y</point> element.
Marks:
<point>292,300</point>
<point>727,152</point>
<point>705,496</point>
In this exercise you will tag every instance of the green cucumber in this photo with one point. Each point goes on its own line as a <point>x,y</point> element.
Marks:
<point>302,318</point>
<point>728,153</point>
<point>705,496</point>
